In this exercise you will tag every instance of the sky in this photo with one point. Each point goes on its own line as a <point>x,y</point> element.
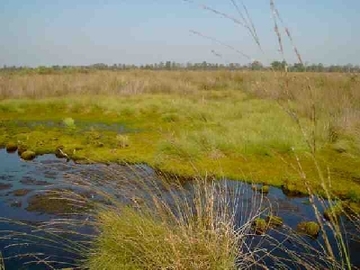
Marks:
<point>84,32</point>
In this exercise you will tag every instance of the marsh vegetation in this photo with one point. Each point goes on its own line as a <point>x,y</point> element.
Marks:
<point>252,126</point>
<point>295,131</point>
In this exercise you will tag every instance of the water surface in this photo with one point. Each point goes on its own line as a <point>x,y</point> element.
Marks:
<point>20,181</point>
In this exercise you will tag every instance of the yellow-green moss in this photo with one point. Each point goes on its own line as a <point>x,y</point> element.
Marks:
<point>231,136</point>
<point>28,155</point>
<point>260,225</point>
<point>309,228</point>
<point>274,221</point>
<point>334,211</point>
<point>21,149</point>
<point>11,147</point>
<point>263,189</point>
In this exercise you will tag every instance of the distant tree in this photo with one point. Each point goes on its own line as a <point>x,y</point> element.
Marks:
<point>298,67</point>
<point>204,65</point>
<point>168,65</point>
<point>256,65</point>
<point>335,68</point>
<point>320,67</point>
<point>277,65</point>
<point>348,68</point>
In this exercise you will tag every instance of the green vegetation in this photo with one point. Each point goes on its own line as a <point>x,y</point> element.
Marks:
<point>170,65</point>
<point>21,149</point>
<point>11,147</point>
<point>135,240</point>
<point>333,212</point>
<point>28,155</point>
<point>310,228</point>
<point>171,230</point>
<point>254,126</point>
<point>69,122</point>
<point>265,189</point>
<point>260,225</point>
<point>274,221</point>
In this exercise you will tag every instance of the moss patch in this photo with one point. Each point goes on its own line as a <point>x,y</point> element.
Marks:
<point>260,226</point>
<point>232,135</point>
<point>21,149</point>
<point>294,188</point>
<point>263,189</point>
<point>309,228</point>
<point>28,155</point>
<point>274,221</point>
<point>11,147</point>
<point>333,212</point>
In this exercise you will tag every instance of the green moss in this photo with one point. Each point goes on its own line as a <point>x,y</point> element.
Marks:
<point>342,146</point>
<point>59,152</point>
<point>353,196</point>
<point>294,188</point>
<point>333,212</point>
<point>265,189</point>
<point>260,225</point>
<point>21,149</point>
<point>353,208</point>
<point>309,228</point>
<point>232,135</point>
<point>11,147</point>
<point>69,122</point>
<point>28,155</point>
<point>170,117</point>
<point>274,221</point>
<point>122,141</point>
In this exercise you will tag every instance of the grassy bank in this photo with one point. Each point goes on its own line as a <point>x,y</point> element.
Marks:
<point>251,126</point>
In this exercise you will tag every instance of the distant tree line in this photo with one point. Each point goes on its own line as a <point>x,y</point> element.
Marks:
<point>169,65</point>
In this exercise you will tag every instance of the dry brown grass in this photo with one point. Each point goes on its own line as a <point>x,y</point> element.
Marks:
<point>106,82</point>
<point>330,100</point>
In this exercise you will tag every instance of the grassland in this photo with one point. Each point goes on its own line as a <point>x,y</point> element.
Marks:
<point>261,127</point>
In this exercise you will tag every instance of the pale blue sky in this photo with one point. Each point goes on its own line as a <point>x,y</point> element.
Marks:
<point>81,32</point>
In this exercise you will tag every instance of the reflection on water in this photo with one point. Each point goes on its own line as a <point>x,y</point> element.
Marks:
<point>20,183</point>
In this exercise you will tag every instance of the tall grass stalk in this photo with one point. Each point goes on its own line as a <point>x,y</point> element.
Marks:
<point>310,137</point>
<point>2,263</point>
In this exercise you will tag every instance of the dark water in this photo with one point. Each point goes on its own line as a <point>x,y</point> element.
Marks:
<point>20,181</point>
